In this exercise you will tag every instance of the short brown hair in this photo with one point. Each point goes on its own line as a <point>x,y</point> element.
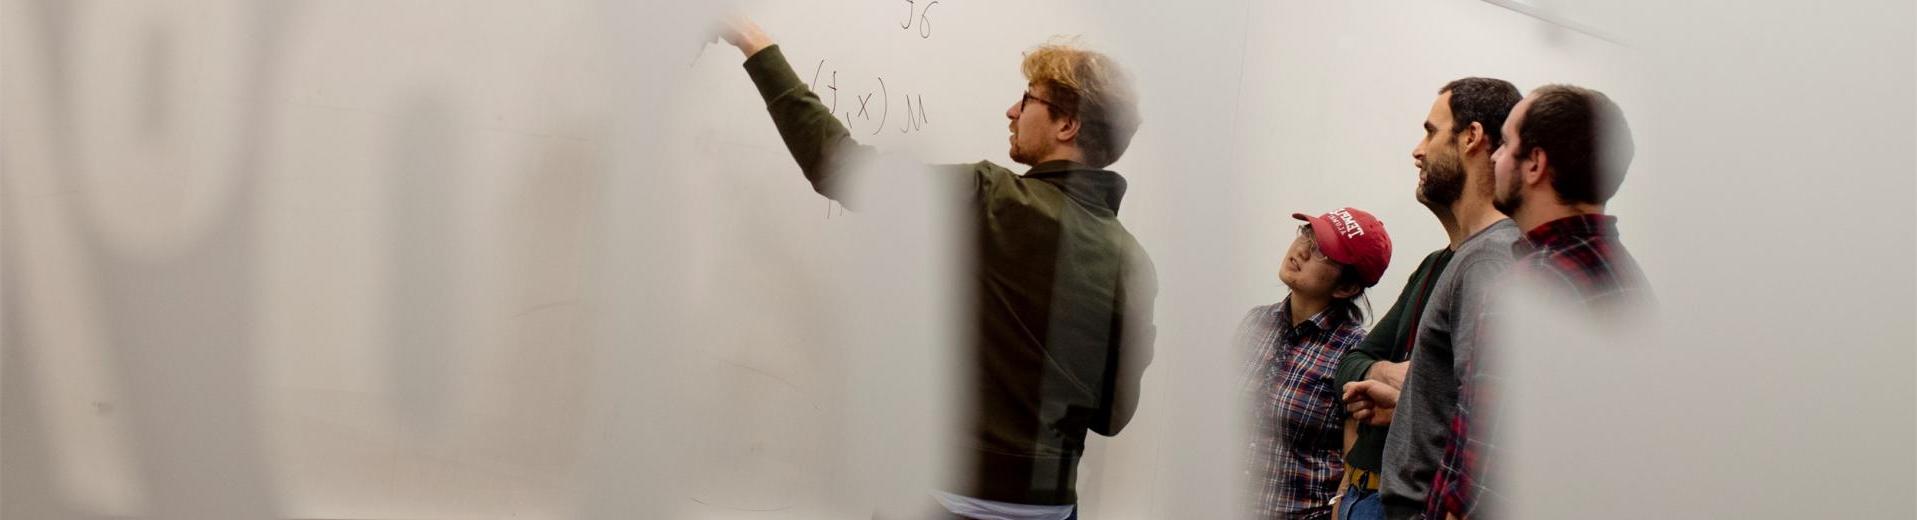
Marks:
<point>1585,138</point>
<point>1092,88</point>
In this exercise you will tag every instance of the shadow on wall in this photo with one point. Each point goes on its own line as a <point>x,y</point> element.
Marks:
<point>175,326</point>
<point>422,319</point>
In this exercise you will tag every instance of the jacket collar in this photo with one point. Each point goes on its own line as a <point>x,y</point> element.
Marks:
<point>1085,184</point>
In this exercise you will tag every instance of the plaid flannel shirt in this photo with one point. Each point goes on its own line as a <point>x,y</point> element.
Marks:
<point>1581,256</point>
<point>1295,457</point>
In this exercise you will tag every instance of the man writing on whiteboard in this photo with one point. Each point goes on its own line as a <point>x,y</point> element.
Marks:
<point>1061,317</point>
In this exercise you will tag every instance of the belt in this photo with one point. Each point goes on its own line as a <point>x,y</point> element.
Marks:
<point>1362,479</point>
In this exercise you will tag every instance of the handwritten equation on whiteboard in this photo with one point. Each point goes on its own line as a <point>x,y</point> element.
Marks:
<point>873,101</point>
<point>924,18</point>
<point>870,103</point>
<point>875,98</point>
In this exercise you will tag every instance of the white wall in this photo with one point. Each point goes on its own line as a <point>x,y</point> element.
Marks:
<point>423,259</point>
<point>300,259</point>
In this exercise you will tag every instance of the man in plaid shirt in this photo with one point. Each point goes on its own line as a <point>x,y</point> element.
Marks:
<point>1566,151</point>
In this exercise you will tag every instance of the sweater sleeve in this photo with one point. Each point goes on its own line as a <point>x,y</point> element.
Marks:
<point>1377,345</point>
<point>1473,294</point>
<point>1385,337</point>
<point>821,145</point>
<point>824,149</point>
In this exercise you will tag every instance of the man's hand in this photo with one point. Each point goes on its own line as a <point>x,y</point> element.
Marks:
<point>743,33</point>
<point>1388,372</point>
<point>1371,402</point>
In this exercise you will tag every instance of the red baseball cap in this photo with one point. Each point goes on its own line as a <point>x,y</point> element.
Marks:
<point>1352,237</point>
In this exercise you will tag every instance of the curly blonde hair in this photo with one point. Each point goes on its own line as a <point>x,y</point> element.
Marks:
<point>1091,87</point>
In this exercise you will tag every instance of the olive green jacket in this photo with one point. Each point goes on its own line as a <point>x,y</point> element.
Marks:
<point>1061,322</point>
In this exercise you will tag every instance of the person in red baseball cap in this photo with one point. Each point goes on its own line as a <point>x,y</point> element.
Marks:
<point>1292,351</point>
<point>1352,238</point>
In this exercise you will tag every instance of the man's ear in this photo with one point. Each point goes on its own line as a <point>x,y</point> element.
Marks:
<point>1068,130</point>
<point>1473,137</point>
<point>1535,166</point>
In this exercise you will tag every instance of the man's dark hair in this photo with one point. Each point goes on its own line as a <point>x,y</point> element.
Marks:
<point>1485,101</point>
<point>1585,139</point>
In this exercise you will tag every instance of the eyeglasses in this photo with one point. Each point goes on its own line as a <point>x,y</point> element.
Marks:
<point>1311,242</point>
<point>1029,97</point>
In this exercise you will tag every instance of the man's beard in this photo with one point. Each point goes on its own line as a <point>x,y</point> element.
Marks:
<point>1024,155</point>
<point>1443,181</point>
<point>1508,198</point>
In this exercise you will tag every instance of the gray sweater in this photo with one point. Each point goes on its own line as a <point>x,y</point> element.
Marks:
<point>1444,346</point>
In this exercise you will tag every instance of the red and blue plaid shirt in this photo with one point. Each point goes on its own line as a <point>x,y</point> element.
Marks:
<point>1581,256</point>
<point>1295,460</point>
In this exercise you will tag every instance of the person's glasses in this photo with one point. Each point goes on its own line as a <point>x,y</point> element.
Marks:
<point>1029,97</point>
<point>1311,242</point>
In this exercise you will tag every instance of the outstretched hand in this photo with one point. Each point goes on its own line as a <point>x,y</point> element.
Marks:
<point>743,33</point>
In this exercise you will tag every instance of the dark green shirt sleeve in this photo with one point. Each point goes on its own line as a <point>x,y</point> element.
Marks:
<point>818,142</point>
<point>1388,336</point>
<point>1377,345</point>
<point>822,146</point>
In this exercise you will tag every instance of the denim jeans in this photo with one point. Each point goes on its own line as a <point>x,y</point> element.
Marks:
<point>1361,504</point>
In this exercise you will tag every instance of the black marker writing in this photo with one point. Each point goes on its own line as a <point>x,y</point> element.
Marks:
<point>911,122</point>
<point>914,120</point>
<point>887,106</point>
<point>925,20</point>
<point>835,90</point>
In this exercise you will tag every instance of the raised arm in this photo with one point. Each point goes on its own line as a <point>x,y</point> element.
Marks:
<point>820,144</point>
